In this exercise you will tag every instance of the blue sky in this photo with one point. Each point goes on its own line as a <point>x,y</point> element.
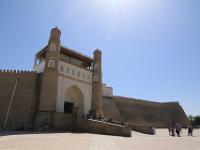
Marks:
<point>151,49</point>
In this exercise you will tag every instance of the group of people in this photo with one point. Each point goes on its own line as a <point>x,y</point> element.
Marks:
<point>89,116</point>
<point>109,120</point>
<point>176,130</point>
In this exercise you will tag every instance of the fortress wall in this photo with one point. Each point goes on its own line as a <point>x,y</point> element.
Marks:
<point>24,100</point>
<point>141,112</point>
<point>176,113</point>
<point>110,109</point>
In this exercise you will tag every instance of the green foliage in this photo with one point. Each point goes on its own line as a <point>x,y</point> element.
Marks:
<point>195,120</point>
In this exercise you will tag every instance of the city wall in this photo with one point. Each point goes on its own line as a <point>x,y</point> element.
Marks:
<point>20,88</point>
<point>145,113</point>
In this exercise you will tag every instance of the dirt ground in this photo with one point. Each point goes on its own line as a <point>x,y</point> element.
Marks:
<point>72,141</point>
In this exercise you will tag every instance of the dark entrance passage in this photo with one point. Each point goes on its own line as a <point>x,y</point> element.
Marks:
<point>68,107</point>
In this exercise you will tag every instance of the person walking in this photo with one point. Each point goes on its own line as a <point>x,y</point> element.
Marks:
<point>172,131</point>
<point>169,129</point>
<point>190,130</point>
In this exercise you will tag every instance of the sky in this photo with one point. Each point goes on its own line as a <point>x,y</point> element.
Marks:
<point>151,48</point>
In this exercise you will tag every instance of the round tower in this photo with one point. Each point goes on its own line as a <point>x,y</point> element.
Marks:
<point>97,102</point>
<point>48,94</point>
<point>55,35</point>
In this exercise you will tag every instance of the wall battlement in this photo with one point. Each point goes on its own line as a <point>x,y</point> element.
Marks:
<point>171,103</point>
<point>5,71</point>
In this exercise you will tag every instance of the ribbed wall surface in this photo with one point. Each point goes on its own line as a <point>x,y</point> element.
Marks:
<point>143,112</point>
<point>110,109</point>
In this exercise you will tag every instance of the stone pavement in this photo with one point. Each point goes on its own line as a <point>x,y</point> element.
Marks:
<point>70,141</point>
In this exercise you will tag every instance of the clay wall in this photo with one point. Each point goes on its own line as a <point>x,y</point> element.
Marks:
<point>110,109</point>
<point>148,113</point>
<point>24,102</point>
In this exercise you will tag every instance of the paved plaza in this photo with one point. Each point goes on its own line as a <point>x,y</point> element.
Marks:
<point>71,141</point>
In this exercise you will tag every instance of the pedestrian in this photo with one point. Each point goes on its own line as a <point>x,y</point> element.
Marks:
<point>153,130</point>
<point>178,129</point>
<point>190,130</point>
<point>169,129</point>
<point>172,131</point>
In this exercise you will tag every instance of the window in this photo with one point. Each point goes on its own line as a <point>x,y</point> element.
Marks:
<point>64,57</point>
<point>68,70</point>
<point>76,62</point>
<point>61,68</point>
<point>88,77</point>
<point>73,72</point>
<point>78,74</point>
<point>83,75</point>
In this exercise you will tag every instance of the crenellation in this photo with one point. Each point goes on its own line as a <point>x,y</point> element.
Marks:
<point>12,72</point>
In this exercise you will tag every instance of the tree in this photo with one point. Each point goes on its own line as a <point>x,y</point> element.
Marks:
<point>195,120</point>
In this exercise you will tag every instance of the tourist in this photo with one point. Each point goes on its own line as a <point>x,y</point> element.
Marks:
<point>172,130</point>
<point>110,120</point>
<point>169,129</point>
<point>122,122</point>
<point>190,130</point>
<point>46,126</point>
<point>153,130</point>
<point>178,129</point>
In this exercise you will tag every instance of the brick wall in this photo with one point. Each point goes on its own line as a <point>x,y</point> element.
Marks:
<point>25,98</point>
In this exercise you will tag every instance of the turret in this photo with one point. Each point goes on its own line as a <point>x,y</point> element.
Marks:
<point>48,94</point>
<point>55,35</point>
<point>97,102</point>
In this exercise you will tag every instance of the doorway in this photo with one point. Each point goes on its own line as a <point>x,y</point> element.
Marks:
<point>74,101</point>
<point>68,107</point>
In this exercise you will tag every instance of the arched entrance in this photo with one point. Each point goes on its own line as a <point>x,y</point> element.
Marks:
<point>74,101</point>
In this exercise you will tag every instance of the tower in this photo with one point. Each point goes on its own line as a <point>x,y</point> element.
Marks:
<point>97,103</point>
<point>48,95</point>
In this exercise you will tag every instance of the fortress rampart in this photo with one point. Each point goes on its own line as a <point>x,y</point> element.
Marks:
<point>25,104</point>
<point>17,91</point>
<point>142,112</point>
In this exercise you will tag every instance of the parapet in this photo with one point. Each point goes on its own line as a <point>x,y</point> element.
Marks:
<point>172,103</point>
<point>4,71</point>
